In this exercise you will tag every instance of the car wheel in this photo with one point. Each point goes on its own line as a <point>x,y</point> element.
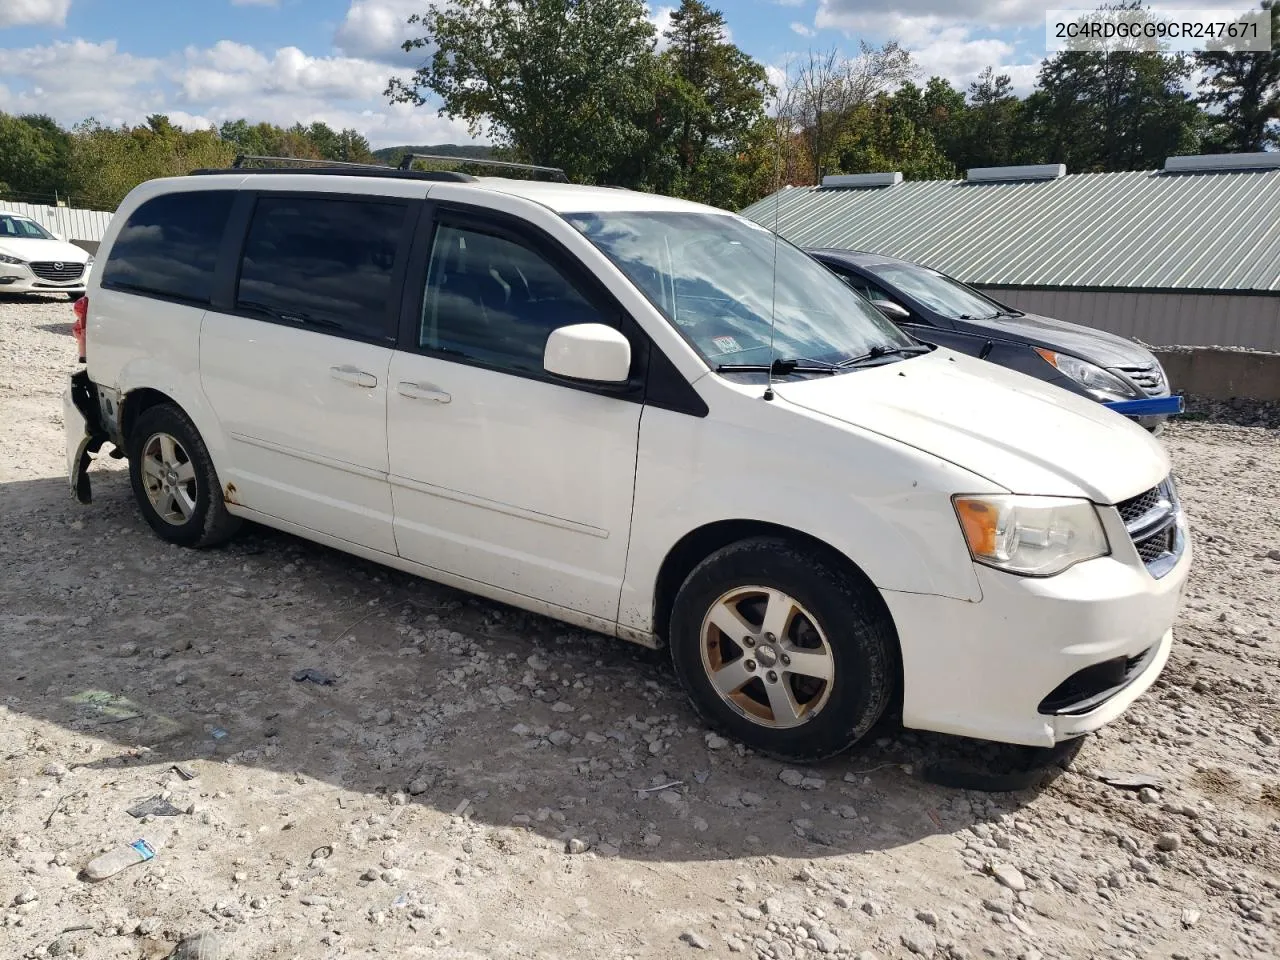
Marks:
<point>781,648</point>
<point>174,481</point>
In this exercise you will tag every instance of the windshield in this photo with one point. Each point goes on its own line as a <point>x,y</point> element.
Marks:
<point>712,275</point>
<point>942,294</point>
<point>20,228</point>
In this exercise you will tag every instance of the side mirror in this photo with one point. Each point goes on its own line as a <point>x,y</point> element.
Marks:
<point>892,310</point>
<point>588,351</point>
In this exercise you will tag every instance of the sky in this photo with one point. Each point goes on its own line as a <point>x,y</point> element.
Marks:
<point>206,61</point>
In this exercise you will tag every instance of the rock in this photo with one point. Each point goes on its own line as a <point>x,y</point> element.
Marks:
<point>127,650</point>
<point>841,901</point>
<point>750,913</point>
<point>1148,795</point>
<point>1168,841</point>
<point>872,909</point>
<point>28,895</point>
<point>827,941</point>
<point>847,812</point>
<point>392,875</point>
<point>576,846</point>
<point>561,707</point>
<point>536,663</point>
<point>867,955</point>
<point>1190,916</point>
<point>1264,736</point>
<point>695,940</point>
<point>770,907</point>
<point>792,778</point>
<point>716,742</point>
<point>920,942</point>
<point>203,946</point>
<point>560,737</point>
<point>927,917</point>
<point>370,875</point>
<point>995,906</point>
<point>382,717</point>
<point>812,783</point>
<point>1009,876</point>
<point>1273,554</point>
<point>55,770</point>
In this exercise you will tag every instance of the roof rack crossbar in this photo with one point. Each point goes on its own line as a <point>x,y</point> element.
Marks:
<point>241,158</point>
<point>406,163</point>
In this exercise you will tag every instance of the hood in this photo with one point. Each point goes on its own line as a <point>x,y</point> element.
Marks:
<point>1096,346</point>
<point>42,251</point>
<point>1018,432</point>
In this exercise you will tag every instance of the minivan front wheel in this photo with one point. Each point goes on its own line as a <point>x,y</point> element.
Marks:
<point>782,649</point>
<point>174,482</point>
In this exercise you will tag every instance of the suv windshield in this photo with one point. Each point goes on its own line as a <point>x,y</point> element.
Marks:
<point>20,228</point>
<point>948,297</point>
<point>712,275</point>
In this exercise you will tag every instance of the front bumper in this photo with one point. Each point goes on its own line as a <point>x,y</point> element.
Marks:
<point>997,669</point>
<point>17,279</point>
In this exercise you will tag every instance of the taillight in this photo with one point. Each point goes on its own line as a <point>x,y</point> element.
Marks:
<point>78,328</point>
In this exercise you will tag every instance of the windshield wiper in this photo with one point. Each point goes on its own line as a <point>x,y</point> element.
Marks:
<point>305,319</point>
<point>781,367</point>
<point>878,351</point>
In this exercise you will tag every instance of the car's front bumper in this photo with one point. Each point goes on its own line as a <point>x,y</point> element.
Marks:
<point>1038,660</point>
<point>19,279</point>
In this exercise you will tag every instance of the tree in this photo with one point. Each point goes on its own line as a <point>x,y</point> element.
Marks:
<point>557,82</point>
<point>711,98</point>
<point>825,88</point>
<point>883,136</point>
<point>1242,93</point>
<point>990,125</point>
<point>33,156</point>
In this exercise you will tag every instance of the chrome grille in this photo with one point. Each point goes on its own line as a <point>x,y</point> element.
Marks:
<point>1148,376</point>
<point>1151,518</point>
<point>57,271</point>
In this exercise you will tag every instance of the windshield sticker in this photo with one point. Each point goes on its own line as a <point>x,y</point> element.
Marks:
<point>726,344</point>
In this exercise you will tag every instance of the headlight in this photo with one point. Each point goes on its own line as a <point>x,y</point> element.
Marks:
<point>1102,384</point>
<point>5,258</point>
<point>89,262</point>
<point>1032,536</point>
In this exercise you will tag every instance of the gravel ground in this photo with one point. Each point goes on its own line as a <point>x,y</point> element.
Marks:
<point>478,782</point>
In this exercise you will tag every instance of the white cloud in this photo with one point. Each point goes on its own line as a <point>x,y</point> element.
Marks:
<point>802,29</point>
<point>72,80</point>
<point>27,13</point>
<point>230,69</point>
<point>376,28</point>
<point>200,88</point>
<point>661,20</point>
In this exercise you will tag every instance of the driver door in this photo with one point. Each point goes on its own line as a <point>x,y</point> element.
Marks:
<point>501,473</point>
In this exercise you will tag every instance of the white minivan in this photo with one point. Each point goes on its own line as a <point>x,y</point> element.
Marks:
<point>643,416</point>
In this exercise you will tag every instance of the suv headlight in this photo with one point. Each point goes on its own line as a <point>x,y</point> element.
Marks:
<point>1102,384</point>
<point>5,258</point>
<point>1031,536</point>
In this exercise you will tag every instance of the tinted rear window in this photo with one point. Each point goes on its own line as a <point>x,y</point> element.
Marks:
<point>324,262</point>
<point>169,246</point>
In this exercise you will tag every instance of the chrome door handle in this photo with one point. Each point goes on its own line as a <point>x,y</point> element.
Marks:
<point>353,375</point>
<point>422,391</point>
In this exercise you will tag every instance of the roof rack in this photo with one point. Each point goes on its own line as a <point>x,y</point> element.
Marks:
<point>338,168</point>
<point>406,163</point>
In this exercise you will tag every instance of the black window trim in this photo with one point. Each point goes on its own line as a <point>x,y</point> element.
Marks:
<point>236,237</point>
<point>516,230</point>
<point>136,291</point>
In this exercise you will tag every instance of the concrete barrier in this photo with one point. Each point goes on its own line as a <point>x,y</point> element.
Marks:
<point>1222,374</point>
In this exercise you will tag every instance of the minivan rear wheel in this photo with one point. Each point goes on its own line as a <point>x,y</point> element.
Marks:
<point>783,649</point>
<point>174,482</point>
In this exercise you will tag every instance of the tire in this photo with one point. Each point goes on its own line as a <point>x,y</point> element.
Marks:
<point>835,627</point>
<point>183,505</point>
